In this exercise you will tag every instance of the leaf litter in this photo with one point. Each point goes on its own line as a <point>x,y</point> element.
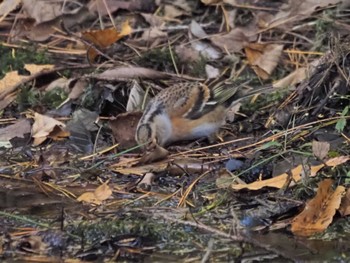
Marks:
<point>67,131</point>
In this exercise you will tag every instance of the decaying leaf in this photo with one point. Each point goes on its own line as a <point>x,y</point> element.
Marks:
<point>344,208</point>
<point>280,180</point>
<point>233,41</point>
<point>137,99</point>
<point>7,6</point>
<point>263,58</point>
<point>124,128</point>
<point>131,73</point>
<point>197,30</point>
<point>42,11</point>
<point>206,50</point>
<point>104,38</point>
<point>12,79</point>
<point>18,129</point>
<point>46,127</point>
<point>293,78</point>
<point>102,193</point>
<point>319,211</point>
<point>157,153</point>
<point>320,149</point>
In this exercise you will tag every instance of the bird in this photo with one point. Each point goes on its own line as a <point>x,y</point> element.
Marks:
<point>188,111</point>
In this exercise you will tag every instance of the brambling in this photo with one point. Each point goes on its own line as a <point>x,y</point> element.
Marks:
<point>186,112</point>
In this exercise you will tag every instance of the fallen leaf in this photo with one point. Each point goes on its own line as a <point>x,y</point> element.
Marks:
<point>131,73</point>
<point>211,72</point>
<point>319,211</point>
<point>263,58</point>
<point>147,179</point>
<point>136,99</point>
<point>296,11</point>
<point>124,128</point>
<point>186,54</point>
<point>42,11</point>
<point>233,41</point>
<point>12,79</point>
<point>171,11</point>
<point>104,38</point>
<point>78,88</point>
<point>47,127</point>
<point>280,180</point>
<point>153,20</point>
<point>153,36</point>
<point>111,6</point>
<point>206,50</point>
<point>320,149</point>
<point>291,79</point>
<point>156,154</point>
<point>197,30</point>
<point>344,208</point>
<point>8,6</point>
<point>44,30</point>
<point>101,193</point>
<point>18,129</point>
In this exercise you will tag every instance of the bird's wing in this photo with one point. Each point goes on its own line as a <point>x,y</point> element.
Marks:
<point>187,98</point>
<point>219,95</point>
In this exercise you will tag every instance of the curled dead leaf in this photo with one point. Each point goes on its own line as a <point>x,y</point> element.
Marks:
<point>101,193</point>
<point>47,127</point>
<point>319,211</point>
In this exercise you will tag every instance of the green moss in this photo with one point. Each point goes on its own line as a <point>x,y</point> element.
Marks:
<point>29,98</point>
<point>159,59</point>
<point>15,59</point>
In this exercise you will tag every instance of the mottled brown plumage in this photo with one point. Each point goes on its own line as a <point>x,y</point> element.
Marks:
<point>185,112</point>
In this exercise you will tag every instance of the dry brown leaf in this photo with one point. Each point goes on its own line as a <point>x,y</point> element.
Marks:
<point>61,83</point>
<point>89,197</point>
<point>263,58</point>
<point>291,79</point>
<point>211,72</point>
<point>153,36</point>
<point>78,89</point>
<point>186,54</point>
<point>18,129</point>
<point>43,31</point>
<point>101,193</point>
<point>131,73</point>
<point>42,11</point>
<point>295,11</point>
<point>233,41</point>
<point>153,20</point>
<point>171,11</point>
<point>11,80</point>
<point>319,211</point>
<point>344,208</point>
<point>157,153</point>
<point>206,50</point>
<point>280,180</point>
<point>137,98</point>
<point>46,127</point>
<point>124,128</point>
<point>276,182</point>
<point>320,149</point>
<point>104,38</point>
<point>114,5</point>
<point>8,6</point>
<point>197,30</point>
<point>337,160</point>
